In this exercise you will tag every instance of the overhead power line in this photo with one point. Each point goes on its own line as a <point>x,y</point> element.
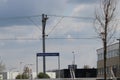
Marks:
<point>55,26</point>
<point>18,17</point>
<point>46,38</point>
<point>72,38</point>
<point>24,17</point>
<point>34,23</point>
<point>77,17</point>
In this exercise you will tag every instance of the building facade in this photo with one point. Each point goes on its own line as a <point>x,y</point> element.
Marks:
<point>112,63</point>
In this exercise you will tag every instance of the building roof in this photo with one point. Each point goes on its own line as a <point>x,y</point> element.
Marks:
<point>109,47</point>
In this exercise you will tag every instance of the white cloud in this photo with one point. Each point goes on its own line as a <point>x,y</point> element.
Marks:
<point>84,10</point>
<point>70,25</point>
<point>79,9</point>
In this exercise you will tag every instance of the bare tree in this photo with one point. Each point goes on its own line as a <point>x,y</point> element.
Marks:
<point>86,67</point>
<point>105,24</point>
<point>105,19</point>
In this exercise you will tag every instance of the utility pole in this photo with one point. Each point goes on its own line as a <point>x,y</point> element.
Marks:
<point>44,19</point>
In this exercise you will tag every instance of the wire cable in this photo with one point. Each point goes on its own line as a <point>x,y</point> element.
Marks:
<point>60,38</point>
<point>77,17</point>
<point>72,38</point>
<point>18,17</point>
<point>23,17</point>
<point>55,26</point>
<point>34,23</point>
<point>46,38</point>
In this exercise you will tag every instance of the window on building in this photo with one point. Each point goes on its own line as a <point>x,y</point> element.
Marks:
<point>117,52</point>
<point>100,56</point>
<point>108,55</point>
<point>102,71</point>
<point>98,71</point>
<point>112,54</point>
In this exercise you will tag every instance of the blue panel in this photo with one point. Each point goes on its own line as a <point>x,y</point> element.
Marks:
<point>47,54</point>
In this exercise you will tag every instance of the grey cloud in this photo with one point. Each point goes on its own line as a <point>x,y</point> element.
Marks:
<point>15,8</point>
<point>29,7</point>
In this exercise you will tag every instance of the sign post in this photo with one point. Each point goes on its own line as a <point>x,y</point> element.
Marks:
<point>49,55</point>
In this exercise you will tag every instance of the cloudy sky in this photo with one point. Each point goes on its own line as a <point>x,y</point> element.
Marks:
<point>20,32</point>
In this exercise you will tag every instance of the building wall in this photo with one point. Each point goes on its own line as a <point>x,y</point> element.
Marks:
<point>3,75</point>
<point>79,73</point>
<point>112,61</point>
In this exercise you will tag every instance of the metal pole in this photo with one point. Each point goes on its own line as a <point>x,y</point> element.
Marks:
<point>44,18</point>
<point>59,65</point>
<point>43,39</point>
<point>36,65</point>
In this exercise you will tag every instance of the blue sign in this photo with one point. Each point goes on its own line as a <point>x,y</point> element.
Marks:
<point>47,54</point>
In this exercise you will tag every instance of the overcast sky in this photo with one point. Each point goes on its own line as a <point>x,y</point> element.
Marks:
<point>17,21</point>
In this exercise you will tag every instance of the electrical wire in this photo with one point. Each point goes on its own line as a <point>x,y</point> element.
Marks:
<point>23,17</point>
<point>46,38</point>
<point>35,24</point>
<point>55,26</point>
<point>29,18</point>
<point>56,38</point>
<point>18,17</point>
<point>77,17</point>
<point>72,38</point>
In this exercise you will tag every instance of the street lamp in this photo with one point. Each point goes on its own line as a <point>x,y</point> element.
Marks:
<point>104,38</point>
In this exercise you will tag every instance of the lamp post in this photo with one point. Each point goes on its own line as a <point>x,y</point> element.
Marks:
<point>104,39</point>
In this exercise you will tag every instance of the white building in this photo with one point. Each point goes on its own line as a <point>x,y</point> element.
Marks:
<point>12,75</point>
<point>112,63</point>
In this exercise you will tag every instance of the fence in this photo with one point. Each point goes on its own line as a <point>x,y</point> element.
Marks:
<point>57,79</point>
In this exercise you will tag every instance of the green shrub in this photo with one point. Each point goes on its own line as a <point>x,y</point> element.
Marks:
<point>42,75</point>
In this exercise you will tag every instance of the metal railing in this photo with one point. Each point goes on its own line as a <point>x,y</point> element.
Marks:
<point>57,79</point>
